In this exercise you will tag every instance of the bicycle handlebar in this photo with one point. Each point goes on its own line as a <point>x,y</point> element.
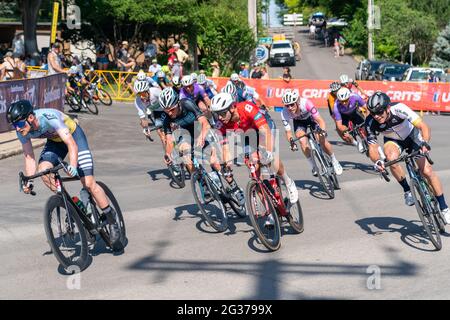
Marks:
<point>23,179</point>
<point>417,153</point>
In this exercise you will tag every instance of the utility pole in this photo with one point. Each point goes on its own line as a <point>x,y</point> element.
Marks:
<point>370,27</point>
<point>252,21</point>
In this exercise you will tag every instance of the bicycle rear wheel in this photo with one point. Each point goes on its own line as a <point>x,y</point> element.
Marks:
<point>91,106</point>
<point>323,174</point>
<point>260,208</point>
<point>72,105</point>
<point>211,207</point>
<point>426,214</point>
<point>104,97</point>
<point>65,234</point>
<point>435,207</point>
<point>104,233</point>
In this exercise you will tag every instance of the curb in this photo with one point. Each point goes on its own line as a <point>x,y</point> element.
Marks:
<point>18,150</point>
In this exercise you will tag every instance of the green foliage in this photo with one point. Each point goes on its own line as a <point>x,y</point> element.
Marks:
<point>441,56</point>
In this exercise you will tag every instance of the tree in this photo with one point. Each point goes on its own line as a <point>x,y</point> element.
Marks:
<point>441,56</point>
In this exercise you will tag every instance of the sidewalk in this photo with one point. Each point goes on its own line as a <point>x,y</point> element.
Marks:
<point>11,146</point>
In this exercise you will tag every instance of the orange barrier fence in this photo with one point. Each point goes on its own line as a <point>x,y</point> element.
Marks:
<point>419,96</point>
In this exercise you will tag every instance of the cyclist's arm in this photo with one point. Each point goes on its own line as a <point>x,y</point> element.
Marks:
<point>30,160</point>
<point>205,127</point>
<point>374,155</point>
<point>321,122</point>
<point>287,128</point>
<point>68,139</point>
<point>267,137</point>
<point>424,129</point>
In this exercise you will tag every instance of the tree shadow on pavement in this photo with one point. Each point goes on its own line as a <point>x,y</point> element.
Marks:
<point>314,187</point>
<point>411,233</point>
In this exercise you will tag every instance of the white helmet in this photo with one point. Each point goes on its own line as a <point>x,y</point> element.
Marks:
<point>141,76</point>
<point>201,79</point>
<point>235,77</point>
<point>221,101</point>
<point>176,80</point>
<point>231,89</point>
<point>160,74</point>
<point>141,86</point>
<point>168,98</point>
<point>290,97</point>
<point>194,77</point>
<point>186,81</point>
<point>343,94</point>
<point>344,78</point>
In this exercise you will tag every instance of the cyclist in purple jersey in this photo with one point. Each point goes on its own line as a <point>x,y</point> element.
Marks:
<point>346,109</point>
<point>195,92</point>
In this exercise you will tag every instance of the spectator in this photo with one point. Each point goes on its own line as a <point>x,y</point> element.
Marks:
<point>336,48</point>
<point>286,74</point>
<point>256,72</point>
<point>54,61</point>
<point>264,74</point>
<point>181,56</point>
<point>175,69</point>
<point>342,43</point>
<point>154,68</point>
<point>244,71</point>
<point>297,49</point>
<point>216,69</point>
<point>102,52</point>
<point>125,62</point>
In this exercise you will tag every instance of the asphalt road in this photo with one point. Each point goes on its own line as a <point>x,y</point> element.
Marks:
<point>172,254</point>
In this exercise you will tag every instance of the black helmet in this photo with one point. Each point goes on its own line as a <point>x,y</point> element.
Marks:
<point>378,102</point>
<point>335,86</point>
<point>19,110</point>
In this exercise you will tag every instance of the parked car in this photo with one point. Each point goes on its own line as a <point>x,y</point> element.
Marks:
<point>391,71</point>
<point>318,19</point>
<point>337,22</point>
<point>418,74</point>
<point>282,52</point>
<point>366,69</point>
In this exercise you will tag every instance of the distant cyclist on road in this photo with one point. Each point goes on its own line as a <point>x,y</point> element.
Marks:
<point>304,115</point>
<point>345,81</point>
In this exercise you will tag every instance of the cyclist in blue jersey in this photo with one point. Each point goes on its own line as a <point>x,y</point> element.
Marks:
<point>208,85</point>
<point>245,92</point>
<point>64,136</point>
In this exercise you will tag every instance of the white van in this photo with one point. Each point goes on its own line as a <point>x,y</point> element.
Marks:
<point>421,74</point>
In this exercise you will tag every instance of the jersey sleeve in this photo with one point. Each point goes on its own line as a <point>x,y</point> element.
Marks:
<point>166,125</point>
<point>55,120</point>
<point>285,119</point>
<point>403,111</point>
<point>140,107</point>
<point>312,109</point>
<point>371,130</point>
<point>337,114</point>
<point>360,101</point>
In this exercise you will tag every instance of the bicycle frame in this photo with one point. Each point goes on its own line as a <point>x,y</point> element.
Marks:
<point>272,188</point>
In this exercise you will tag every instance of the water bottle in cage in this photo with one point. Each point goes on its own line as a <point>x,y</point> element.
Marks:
<point>85,198</point>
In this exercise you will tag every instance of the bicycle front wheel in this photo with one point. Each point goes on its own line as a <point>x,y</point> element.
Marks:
<point>104,97</point>
<point>91,106</point>
<point>209,202</point>
<point>178,175</point>
<point>65,234</point>
<point>295,217</point>
<point>323,173</point>
<point>425,212</point>
<point>263,216</point>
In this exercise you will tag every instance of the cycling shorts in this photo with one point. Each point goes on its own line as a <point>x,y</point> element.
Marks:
<point>412,143</point>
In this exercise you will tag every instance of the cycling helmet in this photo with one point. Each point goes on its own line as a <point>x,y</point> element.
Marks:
<point>186,81</point>
<point>160,74</point>
<point>343,94</point>
<point>221,101</point>
<point>201,79</point>
<point>235,77</point>
<point>378,102</point>
<point>168,98</point>
<point>19,110</point>
<point>194,77</point>
<point>344,79</point>
<point>290,97</point>
<point>141,86</point>
<point>141,75</point>
<point>176,81</point>
<point>334,86</point>
<point>230,88</point>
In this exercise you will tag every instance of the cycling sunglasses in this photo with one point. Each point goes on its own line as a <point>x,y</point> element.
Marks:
<point>20,124</point>
<point>222,113</point>
<point>377,113</point>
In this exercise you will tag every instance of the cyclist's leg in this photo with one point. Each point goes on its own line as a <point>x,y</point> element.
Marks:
<point>300,128</point>
<point>49,158</point>
<point>392,150</point>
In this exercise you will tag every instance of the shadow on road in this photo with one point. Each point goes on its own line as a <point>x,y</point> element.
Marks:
<point>347,165</point>
<point>314,187</point>
<point>411,232</point>
<point>155,173</point>
<point>268,276</point>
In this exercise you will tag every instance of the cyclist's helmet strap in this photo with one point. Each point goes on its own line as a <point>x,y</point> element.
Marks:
<point>19,110</point>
